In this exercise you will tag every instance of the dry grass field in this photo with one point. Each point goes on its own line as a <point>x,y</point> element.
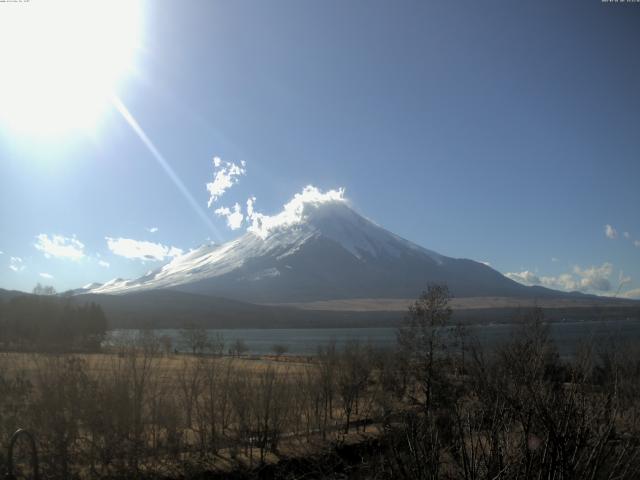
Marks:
<point>462,303</point>
<point>438,406</point>
<point>135,409</point>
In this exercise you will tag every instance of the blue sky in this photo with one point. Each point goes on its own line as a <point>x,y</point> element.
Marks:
<point>505,132</point>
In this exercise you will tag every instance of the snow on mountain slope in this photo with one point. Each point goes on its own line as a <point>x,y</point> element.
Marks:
<point>211,261</point>
<point>333,220</point>
<point>317,248</point>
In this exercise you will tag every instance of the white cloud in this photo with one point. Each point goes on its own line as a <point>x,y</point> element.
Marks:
<point>610,232</point>
<point>590,279</point>
<point>46,275</point>
<point>595,278</point>
<point>636,243</point>
<point>564,281</point>
<point>60,247</point>
<point>250,210</point>
<point>525,277</point>
<point>635,293</point>
<point>234,217</point>
<point>104,263</point>
<point>141,250</point>
<point>225,177</point>
<point>15,264</point>
<point>626,235</point>
<point>1,252</point>
<point>293,212</point>
<point>152,229</point>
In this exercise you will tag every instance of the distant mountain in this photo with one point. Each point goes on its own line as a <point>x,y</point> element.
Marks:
<point>172,309</point>
<point>323,251</point>
<point>87,288</point>
<point>6,295</point>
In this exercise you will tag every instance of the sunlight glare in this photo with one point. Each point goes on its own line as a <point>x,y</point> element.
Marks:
<point>62,60</point>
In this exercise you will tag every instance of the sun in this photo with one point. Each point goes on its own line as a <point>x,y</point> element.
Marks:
<point>62,60</point>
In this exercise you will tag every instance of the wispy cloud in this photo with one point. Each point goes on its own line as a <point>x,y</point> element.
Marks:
<point>46,275</point>
<point>59,246</point>
<point>636,243</point>
<point>152,229</point>
<point>104,263</point>
<point>234,217</point>
<point>226,174</point>
<point>16,264</point>
<point>626,235</point>
<point>610,232</point>
<point>141,250</point>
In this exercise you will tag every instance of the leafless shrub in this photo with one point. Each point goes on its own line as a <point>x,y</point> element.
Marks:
<point>510,412</point>
<point>353,374</point>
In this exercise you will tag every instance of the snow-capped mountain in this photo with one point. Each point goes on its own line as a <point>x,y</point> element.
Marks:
<point>318,250</point>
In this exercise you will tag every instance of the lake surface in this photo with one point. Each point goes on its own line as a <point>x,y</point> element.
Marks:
<point>299,341</point>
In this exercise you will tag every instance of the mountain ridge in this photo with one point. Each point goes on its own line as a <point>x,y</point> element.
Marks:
<point>325,251</point>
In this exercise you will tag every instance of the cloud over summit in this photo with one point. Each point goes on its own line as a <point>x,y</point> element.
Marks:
<point>227,174</point>
<point>292,212</point>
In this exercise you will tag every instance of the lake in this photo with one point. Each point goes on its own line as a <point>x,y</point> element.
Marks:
<point>298,341</point>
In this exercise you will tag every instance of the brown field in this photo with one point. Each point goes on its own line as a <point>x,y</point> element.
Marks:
<point>137,410</point>
<point>439,407</point>
<point>463,303</point>
<point>169,366</point>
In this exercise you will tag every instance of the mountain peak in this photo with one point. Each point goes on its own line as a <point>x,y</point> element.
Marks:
<point>296,211</point>
<point>316,248</point>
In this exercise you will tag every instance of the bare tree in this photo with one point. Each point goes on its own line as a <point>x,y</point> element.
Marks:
<point>271,400</point>
<point>353,375</point>
<point>166,341</point>
<point>216,344</point>
<point>421,338</point>
<point>43,290</point>
<point>327,364</point>
<point>279,349</point>
<point>239,347</point>
<point>195,338</point>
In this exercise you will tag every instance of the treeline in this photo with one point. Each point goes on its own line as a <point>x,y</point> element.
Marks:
<point>49,322</point>
<point>517,411</point>
<point>440,406</point>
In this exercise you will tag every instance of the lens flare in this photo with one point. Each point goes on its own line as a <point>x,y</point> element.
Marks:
<point>164,164</point>
<point>62,59</point>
